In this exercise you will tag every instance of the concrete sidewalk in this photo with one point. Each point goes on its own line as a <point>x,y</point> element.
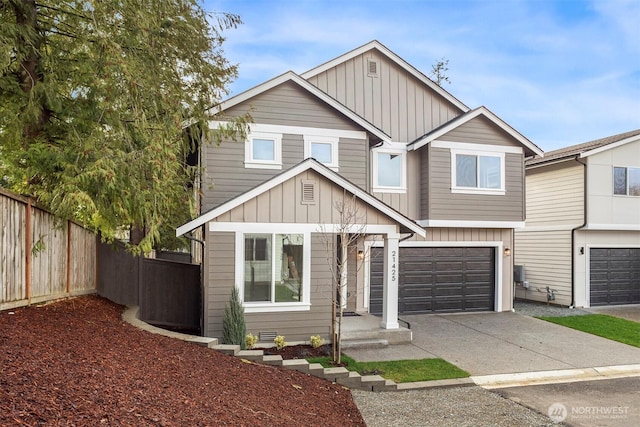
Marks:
<point>494,344</point>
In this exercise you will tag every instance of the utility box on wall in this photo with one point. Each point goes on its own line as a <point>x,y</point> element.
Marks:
<point>518,273</point>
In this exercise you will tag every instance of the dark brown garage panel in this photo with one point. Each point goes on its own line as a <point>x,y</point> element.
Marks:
<point>614,276</point>
<point>438,280</point>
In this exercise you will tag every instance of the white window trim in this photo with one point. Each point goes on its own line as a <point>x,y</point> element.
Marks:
<point>627,191</point>
<point>397,149</point>
<point>250,162</point>
<point>477,190</point>
<point>332,140</point>
<point>268,307</point>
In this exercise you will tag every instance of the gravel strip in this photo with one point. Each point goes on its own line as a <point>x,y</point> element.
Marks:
<point>460,407</point>
<point>536,309</point>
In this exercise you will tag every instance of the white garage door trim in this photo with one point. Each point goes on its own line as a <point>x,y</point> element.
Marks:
<point>439,244</point>
<point>588,247</point>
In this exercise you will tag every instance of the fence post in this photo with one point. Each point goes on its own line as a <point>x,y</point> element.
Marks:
<point>68,257</point>
<point>27,237</point>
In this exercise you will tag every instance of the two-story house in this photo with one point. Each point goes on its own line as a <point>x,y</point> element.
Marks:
<point>581,243</point>
<point>437,188</point>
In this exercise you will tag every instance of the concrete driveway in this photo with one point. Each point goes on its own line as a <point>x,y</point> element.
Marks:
<point>503,343</point>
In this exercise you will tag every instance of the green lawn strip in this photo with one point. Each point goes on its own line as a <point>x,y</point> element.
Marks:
<point>400,371</point>
<point>613,328</point>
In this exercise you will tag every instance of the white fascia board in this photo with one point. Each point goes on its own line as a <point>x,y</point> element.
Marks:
<point>293,77</point>
<point>301,167</point>
<point>470,224</point>
<point>610,146</point>
<point>459,121</point>
<point>395,58</point>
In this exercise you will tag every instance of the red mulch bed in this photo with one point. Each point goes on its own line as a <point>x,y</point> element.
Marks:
<point>75,362</point>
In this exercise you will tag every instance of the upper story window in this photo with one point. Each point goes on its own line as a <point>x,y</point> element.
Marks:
<point>626,181</point>
<point>322,148</point>
<point>389,170</point>
<point>263,150</point>
<point>477,172</point>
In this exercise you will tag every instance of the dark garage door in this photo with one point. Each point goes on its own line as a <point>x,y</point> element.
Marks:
<point>614,276</point>
<point>437,280</point>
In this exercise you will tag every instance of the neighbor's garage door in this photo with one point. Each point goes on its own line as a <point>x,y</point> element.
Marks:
<point>433,280</point>
<point>614,276</point>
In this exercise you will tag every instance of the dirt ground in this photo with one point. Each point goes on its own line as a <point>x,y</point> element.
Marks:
<point>75,362</point>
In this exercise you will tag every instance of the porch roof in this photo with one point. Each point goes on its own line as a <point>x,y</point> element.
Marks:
<point>406,225</point>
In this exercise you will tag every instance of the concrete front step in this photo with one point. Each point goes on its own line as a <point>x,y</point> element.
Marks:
<point>365,343</point>
<point>393,336</point>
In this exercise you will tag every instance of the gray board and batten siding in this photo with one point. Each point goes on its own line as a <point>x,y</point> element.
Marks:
<point>391,99</point>
<point>283,204</point>
<point>287,105</point>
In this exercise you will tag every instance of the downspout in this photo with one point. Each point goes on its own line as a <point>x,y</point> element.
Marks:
<point>573,230</point>
<point>203,244</point>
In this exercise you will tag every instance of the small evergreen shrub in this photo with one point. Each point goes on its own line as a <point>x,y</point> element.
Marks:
<point>234,328</point>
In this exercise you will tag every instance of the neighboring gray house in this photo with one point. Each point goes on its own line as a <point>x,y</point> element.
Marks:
<point>439,189</point>
<point>582,234</point>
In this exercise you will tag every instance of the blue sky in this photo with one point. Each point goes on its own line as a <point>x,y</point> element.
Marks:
<point>561,72</point>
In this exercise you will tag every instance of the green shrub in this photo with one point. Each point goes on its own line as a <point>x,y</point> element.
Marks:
<point>250,340</point>
<point>279,342</point>
<point>234,328</point>
<point>316,341</point>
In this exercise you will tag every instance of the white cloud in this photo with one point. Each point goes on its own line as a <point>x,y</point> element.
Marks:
<point>561,72</point>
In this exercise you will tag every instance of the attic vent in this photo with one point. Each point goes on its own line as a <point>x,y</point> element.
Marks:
<point>372,68</point>
<point>308,192</point>
<point>267,336</point>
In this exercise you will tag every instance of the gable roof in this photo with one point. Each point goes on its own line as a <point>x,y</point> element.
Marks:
<point>585,149</point>
<point>308,164</point>
<point>466,117</point>
<point>290,76</point>
<point>374,44</point>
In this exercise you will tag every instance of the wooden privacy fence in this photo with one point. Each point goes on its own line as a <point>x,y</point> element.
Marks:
<point>167,292</point>
<point>41,257</point>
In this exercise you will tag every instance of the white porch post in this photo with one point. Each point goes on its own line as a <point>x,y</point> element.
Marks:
<point>390,283</point>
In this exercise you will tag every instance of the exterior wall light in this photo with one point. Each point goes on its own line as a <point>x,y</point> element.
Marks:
<point>507,252</point>
<point>360,255</point>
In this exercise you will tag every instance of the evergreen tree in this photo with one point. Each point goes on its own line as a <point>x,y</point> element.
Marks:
<point>234,328</point>
<point>95,96</point>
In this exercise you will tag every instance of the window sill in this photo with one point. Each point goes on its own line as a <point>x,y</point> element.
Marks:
<point>256,165</point>
<point>389,190</point>
<point>484,191</point>
<point>275,308</point>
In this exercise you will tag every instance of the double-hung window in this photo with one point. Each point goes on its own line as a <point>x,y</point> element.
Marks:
<point>477,172</point>
<point>322,148</point>
<point>626,181</point>
<point>275,275</point>
<point>389,170</point>
<point>263,150</point>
